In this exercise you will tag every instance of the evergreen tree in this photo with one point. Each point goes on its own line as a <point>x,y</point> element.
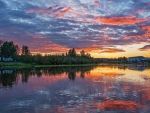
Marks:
<point>72,52</point>
<point>82,53</point>
<point>25,50</point>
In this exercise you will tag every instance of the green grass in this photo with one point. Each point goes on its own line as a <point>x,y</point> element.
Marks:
<point>28,65</point>
<point>15,65</point>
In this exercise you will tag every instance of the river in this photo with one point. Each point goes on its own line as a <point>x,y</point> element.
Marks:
<point>86,89</point>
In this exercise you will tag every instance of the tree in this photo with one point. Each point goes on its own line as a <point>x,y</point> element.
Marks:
<point>72,52</point>
<point>25,50</point>
<point>1,42</point>
<point>82,53</point>
<point>0,45</point>
<point>88,55</point>
<point>9,49</point>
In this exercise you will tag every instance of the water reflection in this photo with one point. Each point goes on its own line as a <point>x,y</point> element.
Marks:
<point>90,89</point>
<point>7,78</point>
<point>10,77</point>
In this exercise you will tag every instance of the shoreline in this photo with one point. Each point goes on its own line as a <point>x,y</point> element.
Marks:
<point>4,65</point>
<point>7,65</point>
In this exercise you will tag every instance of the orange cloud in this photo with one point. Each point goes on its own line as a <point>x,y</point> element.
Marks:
<point>121,20</point>
<point>136,37</point>
<point>112,50</point>
<point>147,35</point>
<point>46,11</point>
<point>147,28</point>
<point>53,47</point>
<point>126,37</point>
<point>63,12</point>
<point>89,49</point>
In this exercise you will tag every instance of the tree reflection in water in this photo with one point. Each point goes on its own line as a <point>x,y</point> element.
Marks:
<point>8,80</point>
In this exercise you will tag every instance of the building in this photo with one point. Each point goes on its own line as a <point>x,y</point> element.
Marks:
<point>137,59</point>
<point>148,59</point>
<point>3,59</point>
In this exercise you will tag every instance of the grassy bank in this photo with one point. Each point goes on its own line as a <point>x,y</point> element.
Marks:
<point>28,65</point>
<point>15,65</point>
<point>31,65</point>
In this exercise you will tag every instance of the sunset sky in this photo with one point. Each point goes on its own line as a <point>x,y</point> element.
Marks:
<point>104,28</point>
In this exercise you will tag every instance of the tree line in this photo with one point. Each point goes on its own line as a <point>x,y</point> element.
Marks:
<point>9,49</point>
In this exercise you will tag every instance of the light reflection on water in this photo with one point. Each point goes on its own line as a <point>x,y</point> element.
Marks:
<point>100,89</point>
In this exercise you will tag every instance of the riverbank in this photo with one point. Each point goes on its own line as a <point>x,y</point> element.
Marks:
<point>4,65</point>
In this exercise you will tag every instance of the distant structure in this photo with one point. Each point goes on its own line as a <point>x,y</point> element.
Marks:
<point>102,59</point>
<point>137,59</point>
<point>3,59</point>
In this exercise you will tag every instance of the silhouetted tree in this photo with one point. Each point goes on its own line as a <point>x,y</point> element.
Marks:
<point>82,53</point>
<point>9,49</point>
<point>1,42</point>
<point>72,52</point>
<point>88,55</point>
<point>25,50</point>
<point>0,45</point>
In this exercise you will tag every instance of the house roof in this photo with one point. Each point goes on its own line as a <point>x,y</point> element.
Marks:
<point>139,57</point>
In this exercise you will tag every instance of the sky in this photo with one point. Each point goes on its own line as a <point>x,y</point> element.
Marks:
<point>103,28</point>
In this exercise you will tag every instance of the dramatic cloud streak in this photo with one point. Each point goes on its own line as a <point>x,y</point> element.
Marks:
<point>129,20</point>
<point>112,50</point>
<point>63,12</point>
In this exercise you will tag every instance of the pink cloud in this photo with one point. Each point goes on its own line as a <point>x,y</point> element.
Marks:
<point>63,12</point>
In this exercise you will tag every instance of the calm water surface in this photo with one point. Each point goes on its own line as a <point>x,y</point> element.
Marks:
<point>100,89</point>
